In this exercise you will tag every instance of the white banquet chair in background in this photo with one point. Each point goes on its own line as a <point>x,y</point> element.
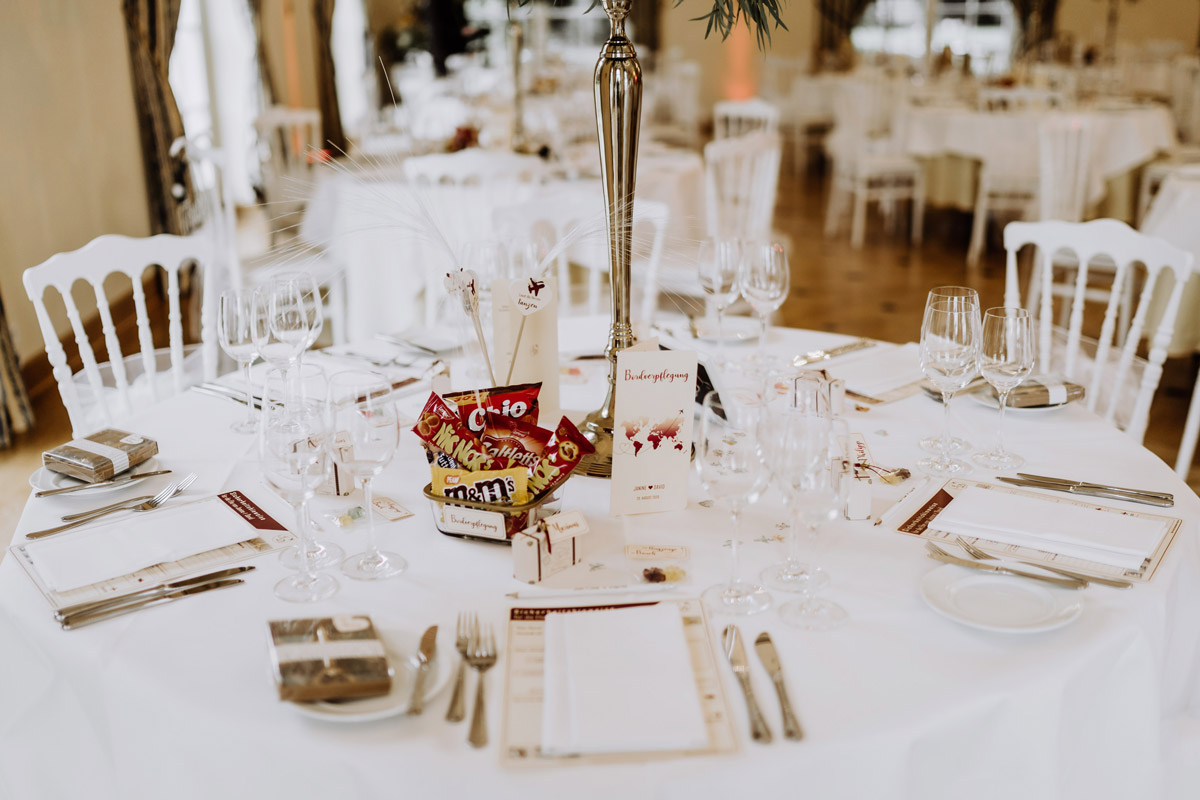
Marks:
<point>673,104</point>
<point>289,140</point>
<point>1020,98</point>
<point>473,167</point>
<point>102,393</point>
<point>741,181</point>
<point>741,117</point>
<point>1108,375</point>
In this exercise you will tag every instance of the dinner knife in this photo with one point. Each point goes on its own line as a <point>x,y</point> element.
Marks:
<point>824,355</point>
<point>425,655</point>
<point>1105,487</point>
<point>770,659</point>
<point>1067,583</point>
<point>110,482</point>
<point>88,618</point>
<point>736,653</point>
<point>142,594</point>
<point>1085,491</point>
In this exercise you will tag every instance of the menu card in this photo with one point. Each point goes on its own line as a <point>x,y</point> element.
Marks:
<point>652,434</point>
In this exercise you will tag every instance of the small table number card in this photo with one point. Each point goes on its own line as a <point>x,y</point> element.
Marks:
<point>652,437</point>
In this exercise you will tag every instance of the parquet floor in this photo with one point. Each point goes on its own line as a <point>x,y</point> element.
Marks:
<point>878,291</point>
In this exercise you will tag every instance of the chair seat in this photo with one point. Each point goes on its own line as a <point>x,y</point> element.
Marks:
<point>143,389</point>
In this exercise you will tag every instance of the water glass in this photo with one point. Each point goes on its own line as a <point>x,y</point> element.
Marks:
<point>944,442</point>
<point>235,334</point>
<point>763,279</point>
<point>1005,359</point>
<point>950,337</point>
<point>717,268</point>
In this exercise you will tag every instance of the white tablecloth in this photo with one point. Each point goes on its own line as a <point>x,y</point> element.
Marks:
<point>898,703</point>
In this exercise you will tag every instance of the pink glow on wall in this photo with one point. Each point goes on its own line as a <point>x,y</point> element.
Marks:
<point>739,82</point>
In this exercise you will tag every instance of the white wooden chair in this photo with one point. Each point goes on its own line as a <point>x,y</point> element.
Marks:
<point>741,179</point>
<point>1001,189</point>
<point>289,146</point>
<point>103,393</point>
<point>806,117</point>
<point>674,105</point>
<point>1107,376</point>
<point>473,167</point>
<point>741,117</point>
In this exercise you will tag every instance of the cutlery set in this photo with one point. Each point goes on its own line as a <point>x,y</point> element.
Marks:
<point>476,646</point>
<point>111,482</point>
<point>136,504</point>
<point>83,614</point>
<point>731,642</point>
<point>987,562</point>
<point>1144,496</point>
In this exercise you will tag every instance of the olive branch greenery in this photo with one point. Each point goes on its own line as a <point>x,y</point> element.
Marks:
<point>759,15</point>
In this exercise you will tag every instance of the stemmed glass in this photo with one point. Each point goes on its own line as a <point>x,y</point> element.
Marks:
<point>730,462</point>
<point>944,442</point>
<point>293,459</point>
<point>718,271</point>
<point>819,493</point>
<point>363,411</point>
<point>274,350</point>
<point>1005,359</point>
<point>235,333</point>
<point>763,279</point>
<point>296,317</point>
<point>949,359</point>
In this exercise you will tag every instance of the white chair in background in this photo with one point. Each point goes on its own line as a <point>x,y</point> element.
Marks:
<point>1107,375</point>
<point>675,104</point>
<point>741,179</point>
<point>289,147</point>
<point>1021,98</point>
<point>103,393</point>
<point>740,117</point>
<point>806,117</point>
<point>779,74</point>
<point>1003,187</point>
<point>474,167</point>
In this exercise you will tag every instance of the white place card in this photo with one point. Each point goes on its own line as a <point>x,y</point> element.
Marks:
<point>525,332</point>
<point>652,437</point>
<point>473,522</point>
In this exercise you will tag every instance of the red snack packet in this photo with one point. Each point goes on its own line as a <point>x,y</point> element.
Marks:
<point>563,454</point>
<point>519,401</point>
<point>518,440</point>
<point>440,427</point>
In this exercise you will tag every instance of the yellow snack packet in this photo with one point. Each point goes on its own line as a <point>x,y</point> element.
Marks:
<point>499,486</point>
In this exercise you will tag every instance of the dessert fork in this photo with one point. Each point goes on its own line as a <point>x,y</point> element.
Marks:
<point>481,655</point>
<point>85,517</point>
<point>981,555</point>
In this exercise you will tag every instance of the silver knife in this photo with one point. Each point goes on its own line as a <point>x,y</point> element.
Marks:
<point>91,512</point>
<point>109,482</point>
<point>1067,583</point>
<point>1105,487</point>
<point>425,656</point>
<point>770,659</point>
<point>80,620</point>
<point>1085,491</point>
<point>824,355</point>
<point>165,588</point>
<point>225,393</point>
<point>736,653</point>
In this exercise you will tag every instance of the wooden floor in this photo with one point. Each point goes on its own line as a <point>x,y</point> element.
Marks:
<point>878,291</point>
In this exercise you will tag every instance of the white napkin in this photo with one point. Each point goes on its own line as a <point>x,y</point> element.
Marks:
<point>880,371</point>
<point>129,542</point>
<point>619,681</point>
<point>1061,528</point>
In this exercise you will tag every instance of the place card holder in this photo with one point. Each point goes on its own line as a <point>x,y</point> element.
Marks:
<point>548,547</point>
<point>99,456</point>
<point>328,658</point>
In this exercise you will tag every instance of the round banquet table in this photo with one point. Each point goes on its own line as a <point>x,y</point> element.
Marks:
<point>898,703</point>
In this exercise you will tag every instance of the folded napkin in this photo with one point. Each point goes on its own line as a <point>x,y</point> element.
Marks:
<point>881,370</point>
<point>1043,524</point>
<point>619,681</point>
<point>125,543</point>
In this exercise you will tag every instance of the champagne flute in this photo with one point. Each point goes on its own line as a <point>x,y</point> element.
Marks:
<point>718,264</point>
<point>949,359</point>
<point>293,459</point>
<point>945,442</point>
<point>731,468</point>
<point>1005,359</point>
<point>763,279</point>
<point>235,333</point>
<point>363,416</point>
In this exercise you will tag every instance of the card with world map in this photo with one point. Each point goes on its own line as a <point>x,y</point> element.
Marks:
<point>652,438</point>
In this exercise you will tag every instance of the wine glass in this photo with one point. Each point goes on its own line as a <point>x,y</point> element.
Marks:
<point>235,333</point>
<point>293,459</point>
<point>274,350</point>
<point>944,442</point>
<point>296,317</point>
<point>949,359</point>
<point>718,264</point>
<point>1005,359</point>
<point>763,279</point>
<point>363,415</point>
<point>819,494</point>
<point>731,468</point>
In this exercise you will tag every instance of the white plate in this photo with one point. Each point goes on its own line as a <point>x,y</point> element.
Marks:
<point>1001,603</point>
<point>985,398</point>
<point>401,646</point>
<point>733,329</point>
<point>44,480</point>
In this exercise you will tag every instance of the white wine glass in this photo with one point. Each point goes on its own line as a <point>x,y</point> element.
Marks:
<point>819,495</point>
<point>950,360</point>
<point>730,463</point>
<point>945,442</point>
<point>717,268</point>
<point>296,316</point>
<point>763,279</point>
<point>1005,359</point>
<point>235,332</point>
<point>293,459</point>
<point>366,430</point>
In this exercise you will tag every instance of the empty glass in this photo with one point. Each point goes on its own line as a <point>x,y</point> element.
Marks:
<point>296,316</point>
<point>717,267</point>
<point>235,332</point>
<point>950,360</point>
<point>731,468</point>
<point>944,442</point>
<point>819,495</point>
<point>764,278</point>
<point>1005,359</point>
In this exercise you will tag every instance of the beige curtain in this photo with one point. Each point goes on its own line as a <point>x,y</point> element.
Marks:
<point>837,19</point>
<point>16,416</point>
<point>150,30</point>
<point>333,137</point>
<point>266,79</point>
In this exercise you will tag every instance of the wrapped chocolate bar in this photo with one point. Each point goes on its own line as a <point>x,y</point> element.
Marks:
<point>563,454</point>
<point>500,486</point>
<point>519,401</point>
<point>99,456</point>
<point>440,427</point>
<point>1042,391</point>
<point>518,440</point>
<point>329,658</point>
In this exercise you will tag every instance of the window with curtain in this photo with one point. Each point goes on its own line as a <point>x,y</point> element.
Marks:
<point>983,29</point>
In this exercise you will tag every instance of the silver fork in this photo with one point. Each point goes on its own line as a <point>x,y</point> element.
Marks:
<point>154,502</point>
<point>481,655</point>
<point>458,700</point>
<point>982,555</point>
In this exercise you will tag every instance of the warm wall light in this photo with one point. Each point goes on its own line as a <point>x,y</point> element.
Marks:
<point>739,72</point>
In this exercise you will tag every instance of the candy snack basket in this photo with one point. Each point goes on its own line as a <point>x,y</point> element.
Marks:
<point>489,522</point>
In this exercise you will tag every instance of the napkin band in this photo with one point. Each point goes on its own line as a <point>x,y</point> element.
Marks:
<point>329,649</point>
<point>118,457</point>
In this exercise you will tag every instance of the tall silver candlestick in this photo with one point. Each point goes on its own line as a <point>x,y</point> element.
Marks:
<point>618,87</point>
